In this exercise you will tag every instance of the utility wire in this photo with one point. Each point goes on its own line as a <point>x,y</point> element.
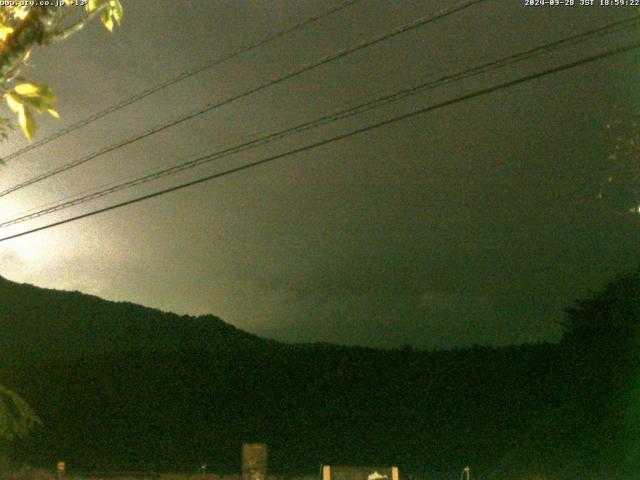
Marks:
<point>155,174</point>
<point>195,113</point>
<point>422,111</point>
<point>182,76</point>
<point>330,118</point>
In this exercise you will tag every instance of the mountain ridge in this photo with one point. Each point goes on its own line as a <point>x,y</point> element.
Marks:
<point>118,389</point>
<point>40,321</point>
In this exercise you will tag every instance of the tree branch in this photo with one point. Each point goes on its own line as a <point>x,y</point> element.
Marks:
<point>31,30</point>
<point>77,26</point>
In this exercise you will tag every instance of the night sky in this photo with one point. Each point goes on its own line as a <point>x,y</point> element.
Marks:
<point>476,223</point>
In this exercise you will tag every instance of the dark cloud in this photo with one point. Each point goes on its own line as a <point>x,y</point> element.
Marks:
<point>475,224</point>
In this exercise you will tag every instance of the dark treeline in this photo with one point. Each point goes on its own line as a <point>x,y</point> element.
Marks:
<point>120,386</point>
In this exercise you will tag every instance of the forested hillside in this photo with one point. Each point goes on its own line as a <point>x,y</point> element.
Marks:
<point>121,386</point>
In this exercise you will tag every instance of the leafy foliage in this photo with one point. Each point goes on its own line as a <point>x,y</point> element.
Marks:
<point>138,385</point>
<point>21,28</point>
<point>16,417</point>
<point>110,15</point>
<point>24,98</point>
<point>604,332</point>
<point>610,317</point>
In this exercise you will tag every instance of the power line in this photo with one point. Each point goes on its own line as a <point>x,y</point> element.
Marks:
<point>325,60</point>
<point>325,119</point>
<point>343,136</point>
<point>183,76</point>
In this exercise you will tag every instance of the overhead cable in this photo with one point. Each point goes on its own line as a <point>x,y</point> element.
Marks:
<point>330,118</point>
<point>217,104</point>
<point>270,159</point>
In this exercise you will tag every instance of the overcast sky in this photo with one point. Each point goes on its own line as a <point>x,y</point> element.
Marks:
<point>476,223</point>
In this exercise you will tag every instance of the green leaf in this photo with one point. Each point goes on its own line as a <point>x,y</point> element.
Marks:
<point>35,90</point>
<point>28,89</point>
<point>13,101</point>
<point>37,95</point>
<point>27,122</point>
<point>5,31</point>
<point>38,103</point>
<point>107,21</point>
<point>27,96</point>
<point>110,16</point>
<point>116,10</point>
<point>92,5</point>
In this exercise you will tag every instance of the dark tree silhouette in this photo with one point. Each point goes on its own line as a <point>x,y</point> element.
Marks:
<point>603,331</point>
<point>607,319</point>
